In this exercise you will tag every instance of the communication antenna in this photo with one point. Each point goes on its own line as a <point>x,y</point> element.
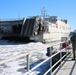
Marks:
<point>18,16</point>
<point>43,12</point>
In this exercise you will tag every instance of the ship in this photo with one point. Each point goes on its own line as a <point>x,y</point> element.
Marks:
<point>35,28</point>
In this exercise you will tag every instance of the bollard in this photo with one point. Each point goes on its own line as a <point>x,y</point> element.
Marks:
<point>66,48</point>
<point>60,53</point>
<point>49,53</point>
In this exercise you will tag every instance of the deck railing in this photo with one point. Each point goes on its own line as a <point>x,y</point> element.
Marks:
<point>49,49</point>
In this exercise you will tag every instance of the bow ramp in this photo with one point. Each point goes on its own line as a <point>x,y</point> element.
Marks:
<point>28,27</point>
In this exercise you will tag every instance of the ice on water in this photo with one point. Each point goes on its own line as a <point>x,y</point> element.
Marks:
<point>18,66</point>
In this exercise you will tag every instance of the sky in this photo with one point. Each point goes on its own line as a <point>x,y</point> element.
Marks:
<point>65,9</point>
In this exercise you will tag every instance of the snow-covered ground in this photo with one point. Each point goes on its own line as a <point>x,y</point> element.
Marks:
<point>18,66</point>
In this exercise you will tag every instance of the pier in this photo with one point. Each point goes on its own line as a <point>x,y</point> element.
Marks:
<point>68,68</point>
<point>63,66</point>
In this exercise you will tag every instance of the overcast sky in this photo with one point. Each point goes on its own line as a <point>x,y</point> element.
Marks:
<point>65,9</point>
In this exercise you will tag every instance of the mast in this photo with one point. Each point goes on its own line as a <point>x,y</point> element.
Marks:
<point>43,12</point>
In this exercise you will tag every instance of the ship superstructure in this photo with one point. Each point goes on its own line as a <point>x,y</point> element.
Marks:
<point>35,28</point>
